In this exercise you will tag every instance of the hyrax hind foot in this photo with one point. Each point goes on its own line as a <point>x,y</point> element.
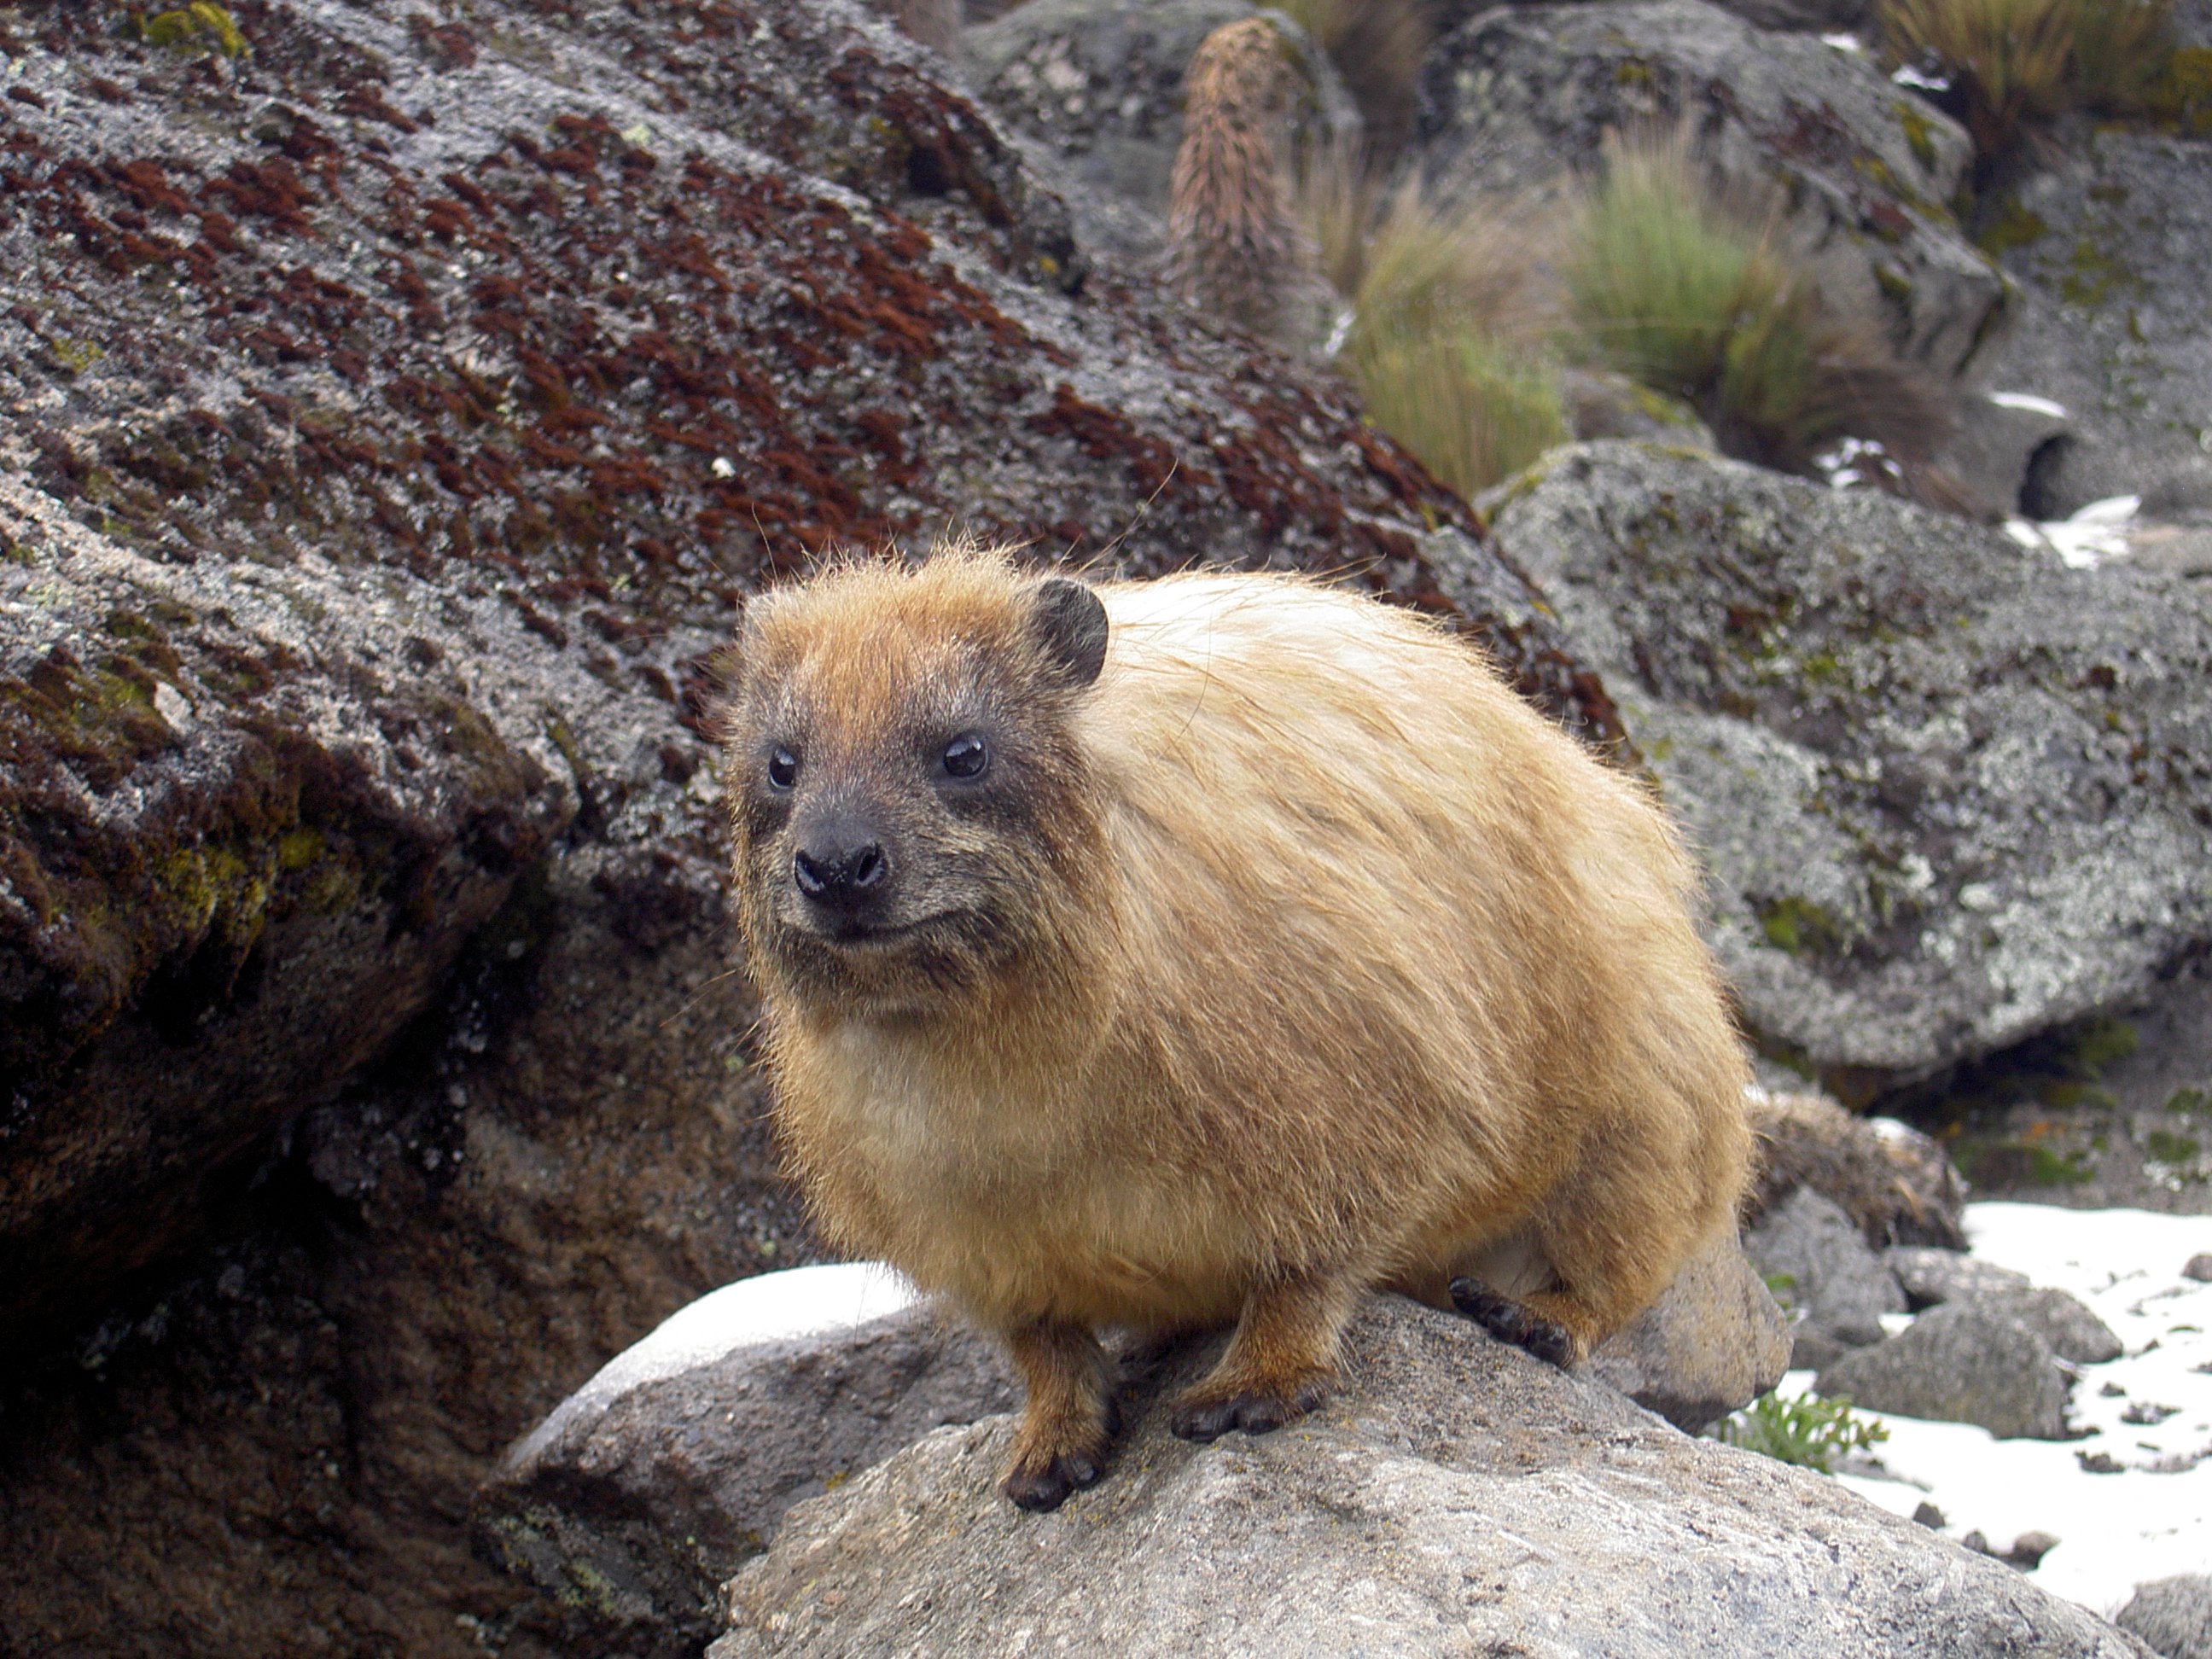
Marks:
<point>1513,1321</point>
<point>1280,1363</point>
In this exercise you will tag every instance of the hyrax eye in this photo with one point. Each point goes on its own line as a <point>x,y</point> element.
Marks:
<point>967,756</point>
<point>782,769</point>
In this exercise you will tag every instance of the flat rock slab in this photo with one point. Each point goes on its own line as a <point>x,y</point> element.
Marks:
<point>1929,1276</point>
<point>1458,1497</point>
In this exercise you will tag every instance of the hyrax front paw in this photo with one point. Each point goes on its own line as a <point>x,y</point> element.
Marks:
<point>1513,1321</point>
<point>1207,1412</point>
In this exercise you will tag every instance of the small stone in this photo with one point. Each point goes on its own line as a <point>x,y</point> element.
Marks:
<point>173,706</point>
<point>1931,1276</point>
<point>2199,1267</point>
<point>2144,1414</point>
<point>2097,1462</point>
<point>2028,1549</point>
<point>1929,1516</point>
<point>1712,1343</point>
<point>1975,1541</point>
<point>2113,1391</point>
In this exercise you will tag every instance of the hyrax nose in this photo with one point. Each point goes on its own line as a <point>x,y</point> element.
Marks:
<point>842,866</point>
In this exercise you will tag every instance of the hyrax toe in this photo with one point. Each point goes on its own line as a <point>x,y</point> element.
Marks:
<point>1040,1487</point>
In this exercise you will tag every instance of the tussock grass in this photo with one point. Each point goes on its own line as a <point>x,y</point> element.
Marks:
<point>1694,296</point>
<point>1446,346</point>
<point>2017,65</point>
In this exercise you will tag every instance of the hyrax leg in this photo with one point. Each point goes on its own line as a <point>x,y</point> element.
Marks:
<point>1279,1365</point>
<point>1070,1419</point>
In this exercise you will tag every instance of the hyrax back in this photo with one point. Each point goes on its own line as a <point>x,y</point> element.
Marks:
<point>1161,955</point>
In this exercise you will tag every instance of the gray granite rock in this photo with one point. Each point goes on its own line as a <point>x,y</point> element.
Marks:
<point>651,1485</point>
<point>2063,1320</point>
<point>2173,1616</point>
<point>1712,1343</point>
<point>1815,1258</point>
<point>1929,1276</point>
<point>1457,1498</point>
<point>1948,792</point>
<point>1521,97</point>
<point>1961,1363</point>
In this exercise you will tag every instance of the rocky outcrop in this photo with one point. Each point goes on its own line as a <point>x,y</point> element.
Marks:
<point>398,413</point>
<point>1459,1495</point>
<point>1948,792</point>
<point>1519,97</point>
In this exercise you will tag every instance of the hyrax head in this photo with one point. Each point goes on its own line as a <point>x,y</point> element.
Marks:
<point>910,805</point>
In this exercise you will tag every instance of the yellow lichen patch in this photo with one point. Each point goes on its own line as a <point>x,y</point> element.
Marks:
<point>203,25</point>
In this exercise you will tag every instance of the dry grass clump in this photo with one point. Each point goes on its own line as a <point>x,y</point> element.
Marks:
<point>2015,65</point>
<point>1378,47</point>
<point>1695,297</point>
<point>1234,243</point>
<point>1445,342</point>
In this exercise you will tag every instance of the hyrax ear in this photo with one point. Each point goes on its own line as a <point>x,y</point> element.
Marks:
<point>1070,622</point>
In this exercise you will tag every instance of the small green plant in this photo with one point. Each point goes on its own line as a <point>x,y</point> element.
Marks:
<point>1695,296</point>
<point>1443,345</point>
<point>202,25</point>
<point>2167,1147</point>
<point>2189,1102</point>
<point>1809,1431</point>
<point>2015,65</point>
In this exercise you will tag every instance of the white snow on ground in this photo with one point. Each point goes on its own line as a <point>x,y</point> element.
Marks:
<point>2097,532</point>
<point>2152,1519</point>
<point>2030,401</point>
<point>770,1308</point>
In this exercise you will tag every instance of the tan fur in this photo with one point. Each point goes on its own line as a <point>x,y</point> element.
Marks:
<point>1317,960</point>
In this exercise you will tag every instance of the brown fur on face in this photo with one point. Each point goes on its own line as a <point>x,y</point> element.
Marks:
<point>1293,955</point>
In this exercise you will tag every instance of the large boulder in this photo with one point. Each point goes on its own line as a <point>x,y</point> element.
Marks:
<point>1947,793</point>
<point>1521,97</point>
<point>1459,1496</point>
<point>1959,1363</point>
<point>397,413</point>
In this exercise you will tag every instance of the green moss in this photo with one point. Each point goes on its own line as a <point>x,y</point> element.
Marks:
<point>1798,925</point>
<point>1894,284</point>
<point>1633,73</point>
<point>298,849</point>
<point>2181,100</point>
<point>2169,1147</point>
<point>202,26</point>
<point>2094,276</point>
<point>2007,226</point>
<point>16,552</point>
<point>2097,1045</point>
<point>1821,668</point>
<point>2189,1102</point>
<point>1919,132</point>
<point>2048,1168</point>
<point>73,356</point>
<point>2071,1094</point>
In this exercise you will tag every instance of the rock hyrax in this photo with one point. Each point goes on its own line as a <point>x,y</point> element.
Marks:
<point>1161,955</point>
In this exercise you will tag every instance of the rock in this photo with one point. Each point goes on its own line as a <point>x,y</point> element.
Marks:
<point>1961,1363</point>
<point>1817,1261</point>
<point>1457,1497</point>
<point>2028,1549</point>
<point>1095,92</point>
<point>415,399</point>
<point>1949,794</point>
<point>2199,1267</point>
<point>1896,1183</point>
<point>1600,404</point>
<point>2109,247</point>
<point>2174,1616</point>
<point>1520,97</point>
<point>1713,1342</point>
<point>651,1485</point>
<point>1926,1514</point>
<point>1995,444</point>
<point>1929,1276</point>
<point>2063,1320</point>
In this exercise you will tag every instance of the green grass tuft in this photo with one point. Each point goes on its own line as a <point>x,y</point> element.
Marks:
<point>1695,297</point>
<point>1807,1431</point>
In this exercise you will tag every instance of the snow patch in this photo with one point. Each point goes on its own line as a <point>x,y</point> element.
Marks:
<point>2097,532</point>
<point>2031,402</point>
<point>2151,1516</point>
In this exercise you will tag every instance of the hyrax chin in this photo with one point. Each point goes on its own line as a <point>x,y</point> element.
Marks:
<point>1164,955</point>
